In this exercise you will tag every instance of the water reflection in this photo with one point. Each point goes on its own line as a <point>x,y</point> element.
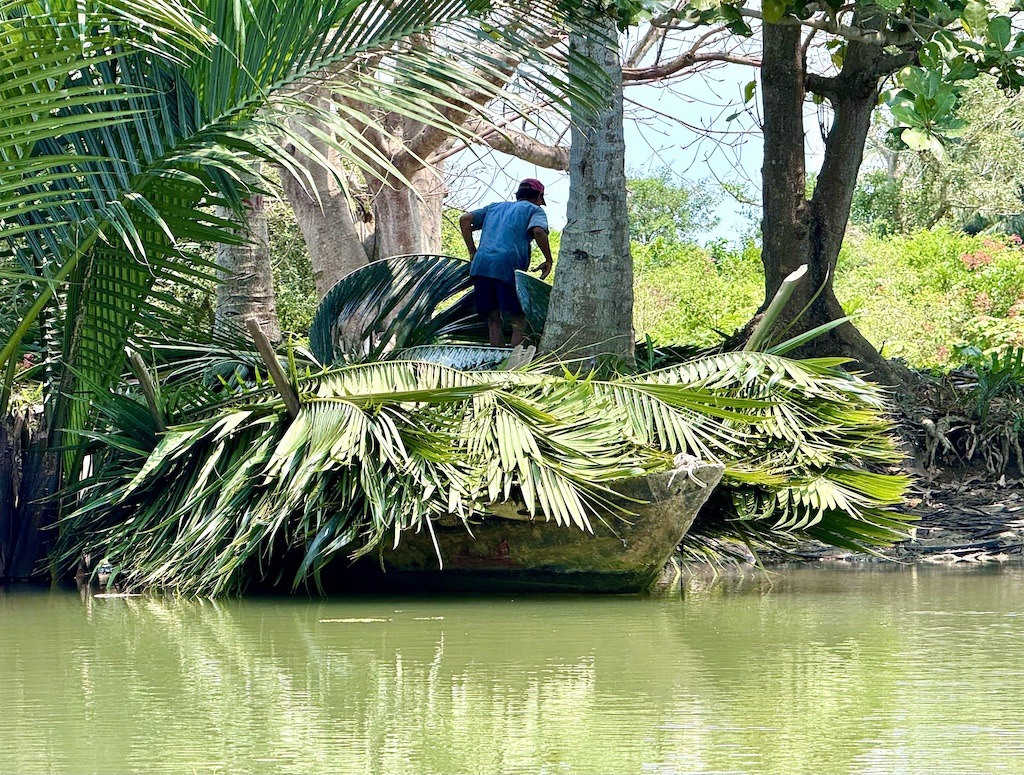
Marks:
<point>890,671</point>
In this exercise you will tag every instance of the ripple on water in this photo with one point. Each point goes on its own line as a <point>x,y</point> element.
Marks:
<point>880,671</point>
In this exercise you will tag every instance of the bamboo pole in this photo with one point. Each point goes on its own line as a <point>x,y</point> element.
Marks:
<point>762,329</point>
<point>277,375</point>
<point>148,389</point>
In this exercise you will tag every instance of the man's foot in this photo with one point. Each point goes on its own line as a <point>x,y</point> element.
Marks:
<point>520,357</point>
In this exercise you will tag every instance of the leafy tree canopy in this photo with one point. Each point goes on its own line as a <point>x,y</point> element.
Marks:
<point>977,182</point>
<point>664,206</point>
<point>952,43</point>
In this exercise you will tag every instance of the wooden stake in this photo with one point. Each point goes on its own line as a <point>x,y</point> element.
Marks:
<point>148,388</point>
<point>277,375</point>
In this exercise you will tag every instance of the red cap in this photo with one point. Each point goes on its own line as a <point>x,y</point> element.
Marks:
<point>531,185</point>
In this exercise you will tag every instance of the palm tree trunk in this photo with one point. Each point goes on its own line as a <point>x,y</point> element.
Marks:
<point>28,512</point>
<point>591,309</point>
<point>246,290</point>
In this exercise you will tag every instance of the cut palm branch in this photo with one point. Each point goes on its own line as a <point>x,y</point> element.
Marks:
<point>381,448</point>
<point>385,308</point>
<point>374,450</point>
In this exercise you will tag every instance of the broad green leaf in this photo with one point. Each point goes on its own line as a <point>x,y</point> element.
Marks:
<point>774,10</point>
<point>999,31</point>
<point>905,112</point>
<point>975,17</point>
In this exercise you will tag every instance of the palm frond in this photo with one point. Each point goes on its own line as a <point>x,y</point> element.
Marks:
<point>814,451</point>
<point>376,449</point>
<point>398,303</point>
<point>385,447</point>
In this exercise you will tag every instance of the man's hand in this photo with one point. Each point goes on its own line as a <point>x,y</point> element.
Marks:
<point>544,269</point>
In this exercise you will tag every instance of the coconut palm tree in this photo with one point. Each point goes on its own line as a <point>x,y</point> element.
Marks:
<point>131,130</point>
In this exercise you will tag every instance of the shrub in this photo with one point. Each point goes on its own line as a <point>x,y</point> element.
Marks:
<point>926,296</point>
<point>685,294</point>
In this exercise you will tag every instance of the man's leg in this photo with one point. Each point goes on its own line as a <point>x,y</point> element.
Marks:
<point>494,329</point>
<point>488,306</point>
<point>518,329</point>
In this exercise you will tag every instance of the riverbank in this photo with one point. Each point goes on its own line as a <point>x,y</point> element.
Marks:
<point>962,519</point>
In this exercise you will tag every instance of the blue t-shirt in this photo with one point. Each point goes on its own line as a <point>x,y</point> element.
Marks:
<point>505,238</point>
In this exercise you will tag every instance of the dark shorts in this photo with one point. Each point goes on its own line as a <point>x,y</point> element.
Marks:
<point>491,294</point>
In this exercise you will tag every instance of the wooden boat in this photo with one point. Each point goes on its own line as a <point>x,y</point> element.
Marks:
<point>507,551</point>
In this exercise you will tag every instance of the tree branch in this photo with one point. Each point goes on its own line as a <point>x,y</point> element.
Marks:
<point>692,57</point>
<point>525,147</point>
<point>430,138</point>
<point>683,62</point>
<point>832,87</point>
<point>829,24</point>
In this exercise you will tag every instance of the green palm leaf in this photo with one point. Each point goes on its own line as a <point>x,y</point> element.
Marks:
<point>376,449</point>
<point>123,121</point>
<point>381,448</point>
<point>398,303</point>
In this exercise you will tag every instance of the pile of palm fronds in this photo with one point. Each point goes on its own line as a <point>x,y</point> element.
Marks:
<point>383,447</point>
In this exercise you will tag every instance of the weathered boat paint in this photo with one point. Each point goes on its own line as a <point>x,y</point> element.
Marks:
<point>517,554</point>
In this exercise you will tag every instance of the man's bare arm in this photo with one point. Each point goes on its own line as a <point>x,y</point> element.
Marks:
<point>466,227</point>
<point>541,237</point>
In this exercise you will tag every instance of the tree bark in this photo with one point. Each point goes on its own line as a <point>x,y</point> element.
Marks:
<point>798,231</point>
<point>785,226</point>
<point>335,247</point>
<point>591,308</point>
<point>397,227</point>
<point>246,287</point>
<point>430,186</point>
<point>328,227</point>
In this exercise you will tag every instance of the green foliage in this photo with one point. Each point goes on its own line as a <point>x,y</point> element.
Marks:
<point>1000,374</point>
<point>877,203</point>
<point>294,287</point>
<point>378,448</point>
<point>666,207</point>
<point>921,297</point>
<point>690,295</point>
<point>925,109</point>
<point>978,181</point>
<point>125,127</point>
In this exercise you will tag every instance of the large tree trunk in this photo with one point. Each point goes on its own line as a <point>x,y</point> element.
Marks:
<point>430,186</point>
<point>246,287</point>
<point>786,214</point>
<point>334,245</point>
<point>328,228</point>
<point>800,232</point>
<point>28,510</point>
<point>396,220</point>
<point>591,309</point>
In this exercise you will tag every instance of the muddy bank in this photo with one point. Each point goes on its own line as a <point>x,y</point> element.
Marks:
<point>962,519</point>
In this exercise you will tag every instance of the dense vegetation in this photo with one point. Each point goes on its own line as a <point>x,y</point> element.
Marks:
<point>933,298</point>
<point>106,274</point>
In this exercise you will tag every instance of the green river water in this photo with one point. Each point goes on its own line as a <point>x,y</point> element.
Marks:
<point>880,670</point>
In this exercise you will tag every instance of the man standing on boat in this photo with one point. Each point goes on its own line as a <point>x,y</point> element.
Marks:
<point>507,230</point>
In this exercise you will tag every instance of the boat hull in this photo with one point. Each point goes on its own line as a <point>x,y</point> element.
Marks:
<point>516,554</point>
